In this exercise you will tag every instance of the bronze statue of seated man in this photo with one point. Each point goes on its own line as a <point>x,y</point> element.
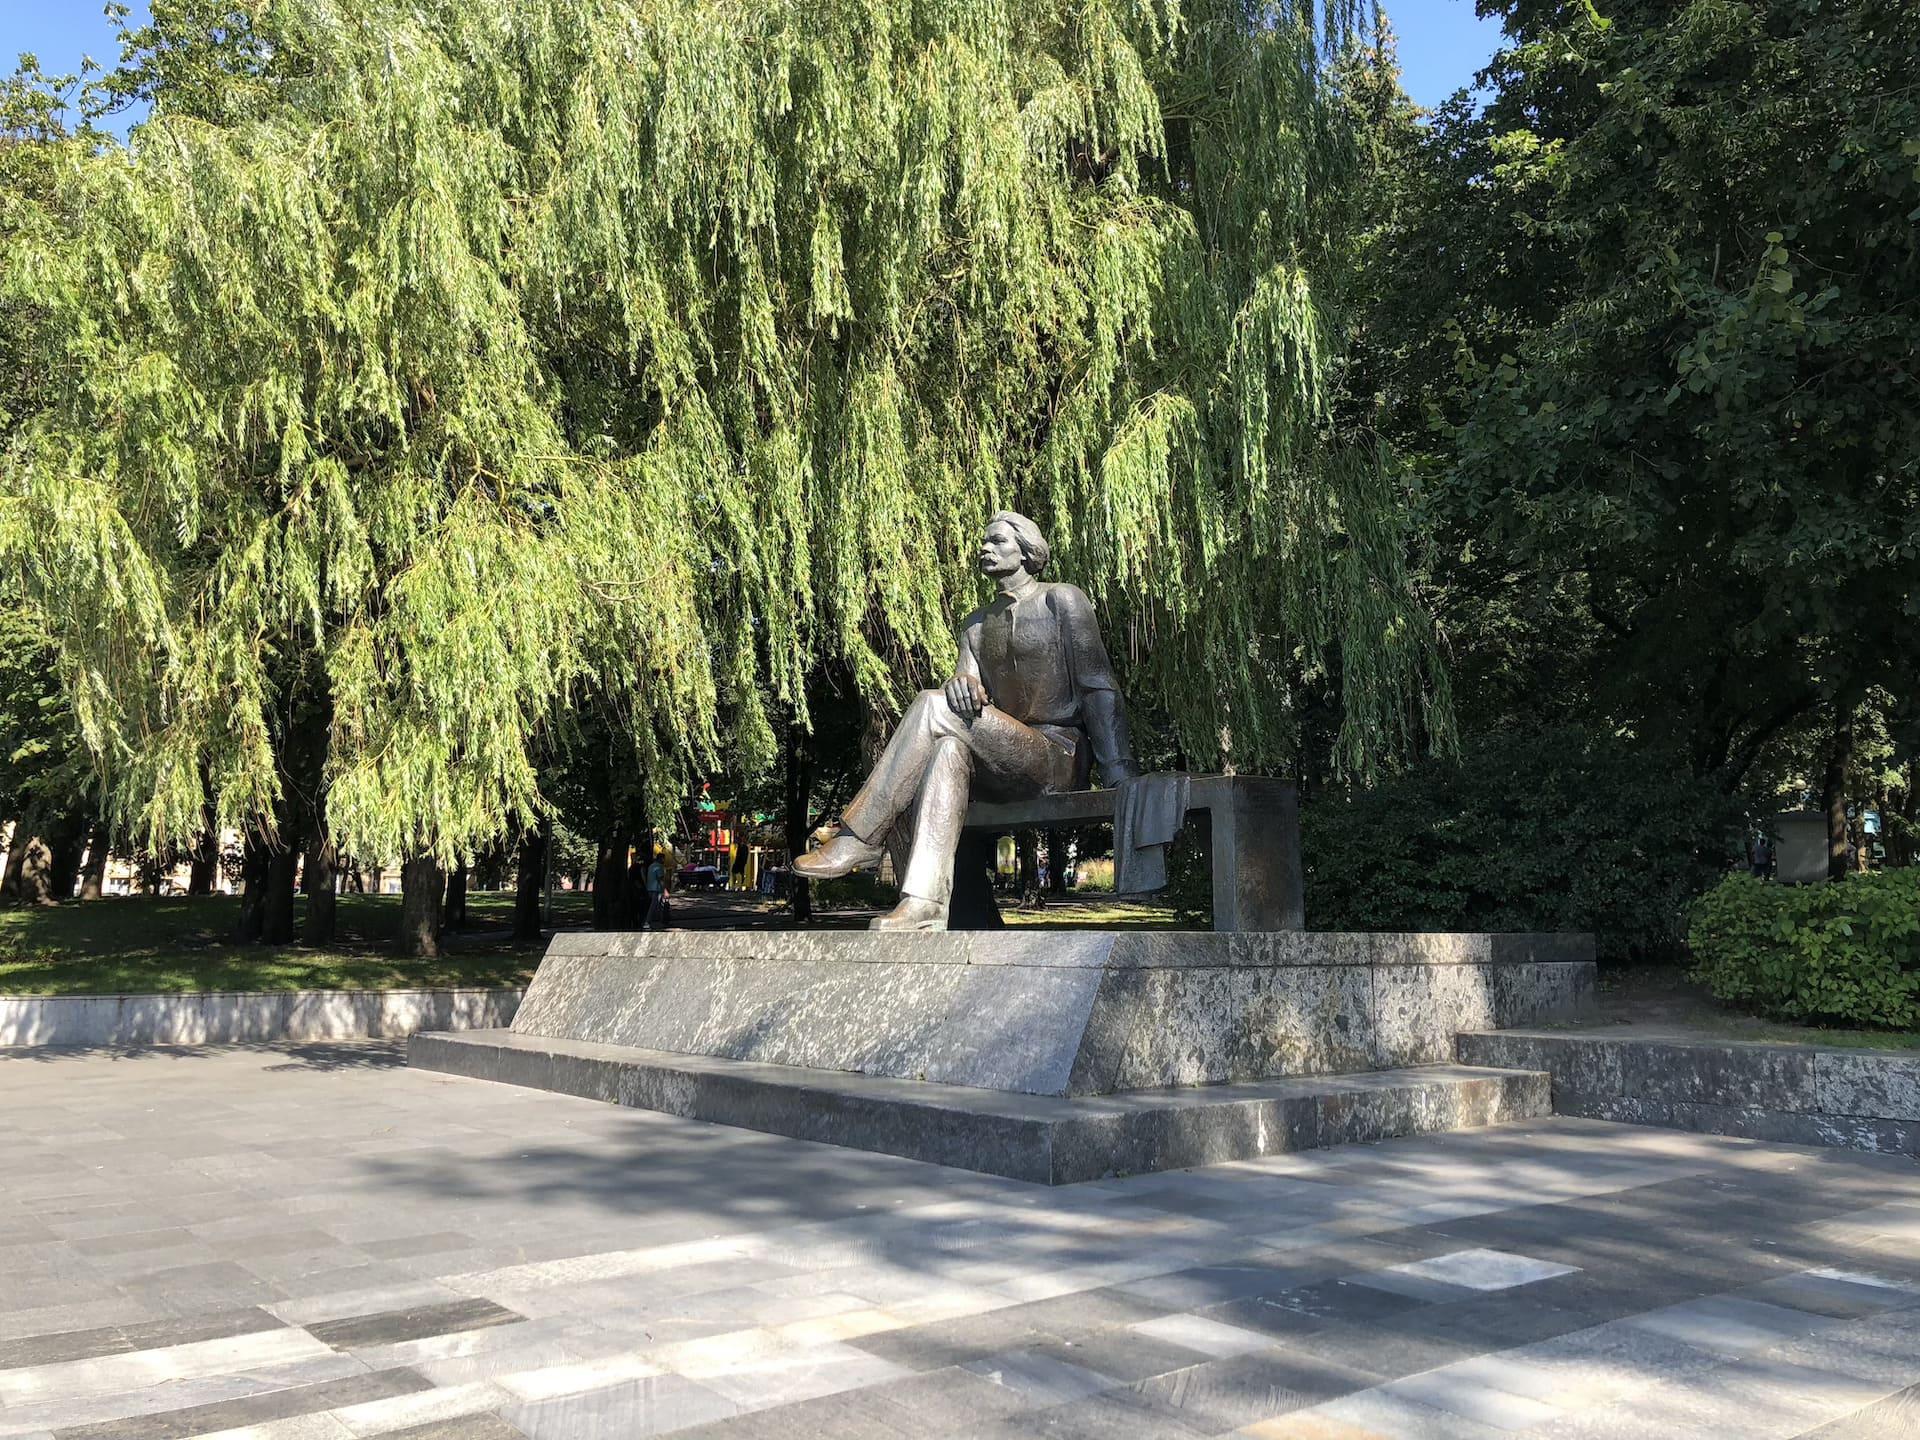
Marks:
<point>1032,706</point>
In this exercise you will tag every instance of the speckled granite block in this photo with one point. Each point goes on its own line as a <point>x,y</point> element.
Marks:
<point>1886,1085</point>
<point>1418,1009</point>
<point>1795,1094</point>
<point>1703,1074</point>
<point>1300,1020</point>
<point>1052,1013</point>
<point>999,1027</point>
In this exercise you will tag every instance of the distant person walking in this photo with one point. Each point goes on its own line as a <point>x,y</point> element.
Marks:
<point>656,895</point>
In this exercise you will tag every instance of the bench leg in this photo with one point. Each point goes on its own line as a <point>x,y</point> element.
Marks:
<point>973,906</point>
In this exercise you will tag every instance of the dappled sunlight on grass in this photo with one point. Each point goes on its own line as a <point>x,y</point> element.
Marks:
<point>176,943</point>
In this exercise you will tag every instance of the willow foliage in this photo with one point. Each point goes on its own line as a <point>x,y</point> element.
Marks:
<point>448,359</point>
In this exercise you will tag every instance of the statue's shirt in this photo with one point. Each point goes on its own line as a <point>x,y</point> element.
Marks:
<point>1038,656</point>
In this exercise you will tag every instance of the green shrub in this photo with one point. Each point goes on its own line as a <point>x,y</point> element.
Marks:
<point>1566,829</point>
<point>1844,953</point>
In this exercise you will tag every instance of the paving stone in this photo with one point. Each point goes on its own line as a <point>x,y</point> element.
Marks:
<point>1484,1269</point>
<point>1241,1389</point>
<point>467,1427</point>
<point>1829,1295</point>
<point>1379,1414</point>
<point>1038,1378</point>
<point>1209,1337</point>
<point>1468,1397</point>
<point>845,1415</point>
<point>1111,1415</point>
<point>1123,1355</point>
<point>253,1410</point>
<point>437,1243</point>
<point>390,1326</point>
<point>220,1284</point>
<point>943,1399</point>
<point>1894,1417</point>
<point>649,1406</point>
<point>951,1342</point>
<point>1727,1324</point>
<point>811,1373</point>
<point>1384,1352</point>
<point>121,1339</point>
<point>1400,1281</point>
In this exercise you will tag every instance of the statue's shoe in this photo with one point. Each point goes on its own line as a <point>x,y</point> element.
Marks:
<point>912,913</point>
<point>841,855</point>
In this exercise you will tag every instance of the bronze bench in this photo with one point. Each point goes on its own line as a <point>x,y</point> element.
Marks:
<point>1248,826</point>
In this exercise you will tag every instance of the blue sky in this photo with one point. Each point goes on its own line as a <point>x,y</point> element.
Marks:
<point>1442,42</point>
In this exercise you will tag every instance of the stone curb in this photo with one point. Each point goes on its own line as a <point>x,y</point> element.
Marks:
<point>1794,1094</point>
<point>247,1017</point>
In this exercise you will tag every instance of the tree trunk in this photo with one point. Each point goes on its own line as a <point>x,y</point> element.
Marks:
<point>317,880</point>
<point>93,875</point>
<point>422,892</point>
<point>10,879</point>
<point>66,844</point>
<point>1026,846</point>
<point>799,817</point>
<point>276,926</point>
<point>255,860</point>
<point>456,915</point>
<point>204,862</point>
<point>531,880</point>
<point>610,882</point>
<point>1833,799</point>
<point>1056,862</point>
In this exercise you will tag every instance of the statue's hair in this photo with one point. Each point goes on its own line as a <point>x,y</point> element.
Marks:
<point>1034,550</point>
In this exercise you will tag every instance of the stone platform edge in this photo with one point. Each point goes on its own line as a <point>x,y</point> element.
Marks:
<point>1091,949</point>
<point>1055,1012</point>
<point>1023,1137</point>
<point>234,1017</point>
<point>1756,1090</point>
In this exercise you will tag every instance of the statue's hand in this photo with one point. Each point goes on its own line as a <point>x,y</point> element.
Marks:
<point>966,696</point>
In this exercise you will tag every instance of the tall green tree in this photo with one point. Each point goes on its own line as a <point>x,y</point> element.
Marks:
<point>1655,308</point>
<point>431,364</point>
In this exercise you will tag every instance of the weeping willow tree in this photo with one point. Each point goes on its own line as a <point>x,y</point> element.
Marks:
<point>420,367</point>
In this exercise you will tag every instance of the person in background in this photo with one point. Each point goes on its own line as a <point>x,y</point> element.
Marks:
<point>656,894</point>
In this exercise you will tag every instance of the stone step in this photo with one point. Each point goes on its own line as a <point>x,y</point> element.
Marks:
<point>1049,1140</point>
<point>1857,1099</point>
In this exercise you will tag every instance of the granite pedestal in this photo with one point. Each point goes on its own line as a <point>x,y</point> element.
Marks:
<point>789,1028</point>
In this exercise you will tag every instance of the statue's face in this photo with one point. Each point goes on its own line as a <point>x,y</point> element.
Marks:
<point>1000,551</point>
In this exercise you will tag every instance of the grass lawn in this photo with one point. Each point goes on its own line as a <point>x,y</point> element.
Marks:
<point>135,944</point>
<point>1093,911</point>
<point>173,943</point>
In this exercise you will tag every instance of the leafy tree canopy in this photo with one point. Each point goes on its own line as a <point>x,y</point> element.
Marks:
<point>443,358</point>
<point>1653,315</point>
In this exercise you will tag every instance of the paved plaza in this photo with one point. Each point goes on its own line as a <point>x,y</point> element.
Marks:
<point>313,1241</point>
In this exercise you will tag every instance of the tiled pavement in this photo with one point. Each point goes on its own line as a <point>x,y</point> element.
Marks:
<point>313,1241</point>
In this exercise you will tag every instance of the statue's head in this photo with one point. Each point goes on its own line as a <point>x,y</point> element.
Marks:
<point>1013,542</point>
